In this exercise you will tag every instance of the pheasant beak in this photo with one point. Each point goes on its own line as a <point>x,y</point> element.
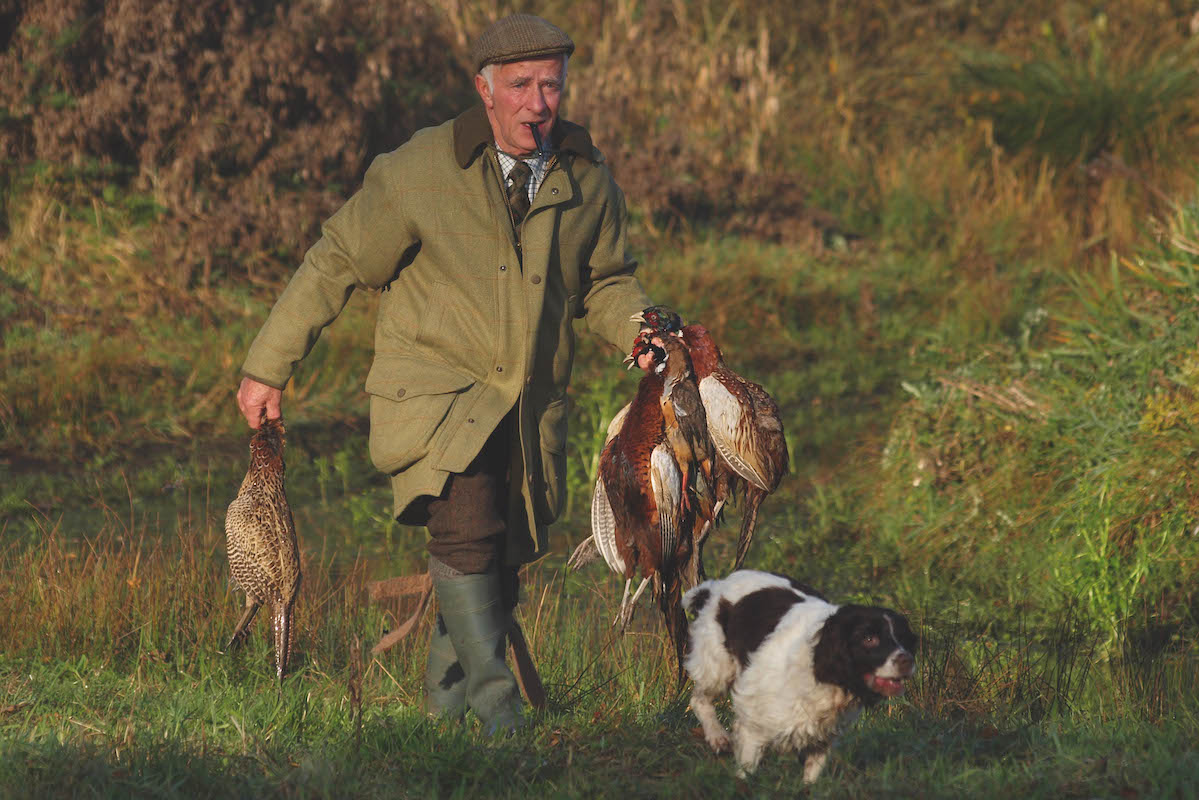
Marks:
<point>639,318</point>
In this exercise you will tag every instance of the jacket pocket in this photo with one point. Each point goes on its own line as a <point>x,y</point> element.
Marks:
<point>552,429</point>
<point>410,399</point>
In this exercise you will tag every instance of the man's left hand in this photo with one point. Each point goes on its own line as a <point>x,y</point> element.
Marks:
<point>646,360</point>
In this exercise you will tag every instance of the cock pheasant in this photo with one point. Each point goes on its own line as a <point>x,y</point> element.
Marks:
<point>639,506</point>
<point>743,421</point>
<point>260,538</point>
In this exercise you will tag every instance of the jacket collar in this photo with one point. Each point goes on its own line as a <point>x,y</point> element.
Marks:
<point>472,133</point>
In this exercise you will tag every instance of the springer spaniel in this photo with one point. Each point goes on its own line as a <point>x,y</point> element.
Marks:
<point>800,668</point>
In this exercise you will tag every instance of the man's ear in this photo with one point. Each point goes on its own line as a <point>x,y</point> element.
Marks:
<point>484,90</point>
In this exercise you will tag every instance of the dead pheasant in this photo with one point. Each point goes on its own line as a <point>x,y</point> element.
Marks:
<point>639,511</point>
<point>746,428</point>
<point>685,420</point>
<point>743,420</point>
<point>260,538</point>
<point>686,428</point>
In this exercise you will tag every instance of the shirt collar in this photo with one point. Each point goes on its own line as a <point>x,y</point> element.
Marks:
<point>537,163</point>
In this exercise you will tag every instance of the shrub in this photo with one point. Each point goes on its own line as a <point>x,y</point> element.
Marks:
<point>249,122</point>
<point>1062,466</point>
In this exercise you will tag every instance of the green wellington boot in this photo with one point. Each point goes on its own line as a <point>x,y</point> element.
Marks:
<point>445,680</point>
<point>477,623</point>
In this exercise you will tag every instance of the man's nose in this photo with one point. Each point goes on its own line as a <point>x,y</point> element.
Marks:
<point>537,101</point>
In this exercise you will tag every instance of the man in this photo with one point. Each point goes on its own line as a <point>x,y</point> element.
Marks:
<point>488,246</point>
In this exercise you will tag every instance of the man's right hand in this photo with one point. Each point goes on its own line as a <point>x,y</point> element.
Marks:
<point>253,397</point>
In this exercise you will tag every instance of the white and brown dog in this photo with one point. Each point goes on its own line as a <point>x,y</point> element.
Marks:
<point>800,668</point>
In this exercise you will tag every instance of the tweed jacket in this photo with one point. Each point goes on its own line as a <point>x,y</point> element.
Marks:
<point>468,327</point>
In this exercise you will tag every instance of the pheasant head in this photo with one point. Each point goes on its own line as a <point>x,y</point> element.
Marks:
<point>705,355</point>
<point>660,319</point>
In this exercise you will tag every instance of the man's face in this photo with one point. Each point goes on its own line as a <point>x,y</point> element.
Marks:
<point>523,92</point>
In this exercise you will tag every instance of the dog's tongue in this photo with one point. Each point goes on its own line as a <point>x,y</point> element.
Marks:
<point>887,687</point>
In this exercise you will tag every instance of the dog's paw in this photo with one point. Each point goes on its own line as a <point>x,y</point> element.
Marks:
<point>719,742</point>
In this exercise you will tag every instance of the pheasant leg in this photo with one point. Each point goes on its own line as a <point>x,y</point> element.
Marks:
<point>627,604</point>
<point>243,625</point>
<point>620,620</point>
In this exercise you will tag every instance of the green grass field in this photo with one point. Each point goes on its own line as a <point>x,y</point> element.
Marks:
<point>119,689</point>
<point>960,248</point>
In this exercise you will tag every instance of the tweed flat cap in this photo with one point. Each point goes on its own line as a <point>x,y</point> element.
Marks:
<point>519,37</point>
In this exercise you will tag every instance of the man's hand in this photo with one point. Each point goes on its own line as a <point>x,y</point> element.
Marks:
<point>646,360</point>
<point>658,320</point>
<point>253,397</point>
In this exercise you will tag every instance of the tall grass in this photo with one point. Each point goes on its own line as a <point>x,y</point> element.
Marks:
<point>101,352</point>
<point>115,683</point>
<point>1080,94</point>
<point>1058,469</point>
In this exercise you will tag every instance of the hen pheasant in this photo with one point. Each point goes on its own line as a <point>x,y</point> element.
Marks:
<point>260,539</point>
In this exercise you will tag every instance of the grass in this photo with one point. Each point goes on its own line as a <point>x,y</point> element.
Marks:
<point>1058,469</point>
<point>985,356</point>
<point>133,698</point>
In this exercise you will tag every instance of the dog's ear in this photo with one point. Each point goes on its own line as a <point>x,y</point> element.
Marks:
<point>832,661</point>
<point>696,602</point>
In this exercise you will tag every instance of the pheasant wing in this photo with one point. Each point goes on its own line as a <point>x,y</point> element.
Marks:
<point>617,421</point>
<point>768,427</point>
<point>666,483</point>
<point>728,406</point>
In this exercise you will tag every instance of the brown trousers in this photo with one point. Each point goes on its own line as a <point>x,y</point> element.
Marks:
<point>468,522</point>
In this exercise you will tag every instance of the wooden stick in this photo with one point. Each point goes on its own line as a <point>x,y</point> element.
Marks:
<point>402,586</point>
<point>391,638</point>
<point>526,671</point>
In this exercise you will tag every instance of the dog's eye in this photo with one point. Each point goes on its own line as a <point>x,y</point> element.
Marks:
<point>870,641</point>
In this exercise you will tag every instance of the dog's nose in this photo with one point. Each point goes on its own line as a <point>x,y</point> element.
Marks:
<point>904,662</point>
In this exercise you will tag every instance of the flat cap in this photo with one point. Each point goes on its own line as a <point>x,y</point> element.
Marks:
<point>519,37</point>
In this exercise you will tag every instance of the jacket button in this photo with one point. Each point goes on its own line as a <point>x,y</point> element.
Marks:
<point>399,392</point>
<point>536,279</point>
<point>471,420</point>
<point>503,267</point>
<point>499,369</point>
<point>554,190</point>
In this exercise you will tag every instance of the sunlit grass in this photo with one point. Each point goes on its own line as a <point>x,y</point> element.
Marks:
<point>988,393</point>
<point>116,684</point>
